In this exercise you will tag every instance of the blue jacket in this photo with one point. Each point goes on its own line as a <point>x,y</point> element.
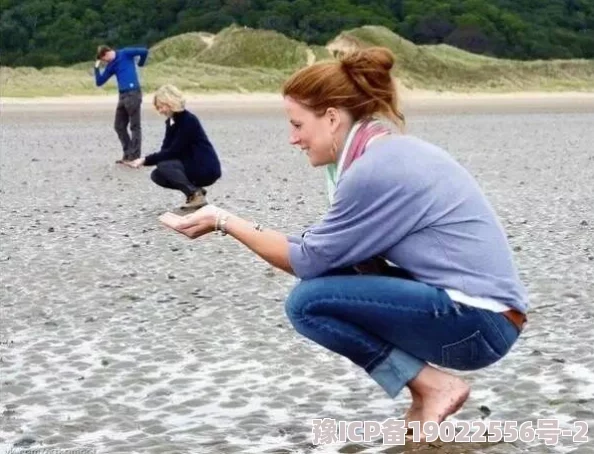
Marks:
<point>185,140</point>
<point>124,68</point>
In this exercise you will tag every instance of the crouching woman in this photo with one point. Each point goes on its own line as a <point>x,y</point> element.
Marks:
<point>457,301</point>
<point>187,160</point>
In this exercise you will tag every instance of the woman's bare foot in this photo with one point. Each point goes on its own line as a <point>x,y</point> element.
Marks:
<point>440,394</point>
<point>415,412</point>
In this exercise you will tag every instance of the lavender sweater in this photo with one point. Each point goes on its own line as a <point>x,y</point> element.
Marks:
<point>411,202</point>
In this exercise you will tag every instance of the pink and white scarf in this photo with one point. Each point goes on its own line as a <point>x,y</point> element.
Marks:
<point>360,136</point>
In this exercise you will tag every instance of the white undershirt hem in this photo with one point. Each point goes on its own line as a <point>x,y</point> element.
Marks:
<point>477,301</point>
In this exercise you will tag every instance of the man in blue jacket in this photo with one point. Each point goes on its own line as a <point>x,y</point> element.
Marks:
<point>121,63</point>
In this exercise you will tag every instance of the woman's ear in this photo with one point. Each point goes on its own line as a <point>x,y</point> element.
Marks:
<point>333,117</point>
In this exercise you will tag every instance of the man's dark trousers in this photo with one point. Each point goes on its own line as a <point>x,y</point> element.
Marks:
<point>128,112</point>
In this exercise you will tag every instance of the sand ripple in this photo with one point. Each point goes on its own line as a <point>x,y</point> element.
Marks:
<point>119,335</point>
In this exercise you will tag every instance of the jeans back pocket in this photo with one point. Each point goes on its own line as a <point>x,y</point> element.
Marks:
<point>470,353</point>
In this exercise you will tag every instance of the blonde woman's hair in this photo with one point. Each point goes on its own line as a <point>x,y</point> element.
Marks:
<point>171,96</point>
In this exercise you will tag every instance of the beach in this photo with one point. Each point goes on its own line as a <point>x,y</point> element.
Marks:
<point>411,100</point>
<point>121,336</point>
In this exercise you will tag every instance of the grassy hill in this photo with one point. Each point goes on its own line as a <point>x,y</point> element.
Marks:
<point>443,67</point>
<point>239,59</point>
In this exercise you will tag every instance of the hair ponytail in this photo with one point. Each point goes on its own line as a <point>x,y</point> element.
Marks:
<point>370,71</point>
<point>360,82</point>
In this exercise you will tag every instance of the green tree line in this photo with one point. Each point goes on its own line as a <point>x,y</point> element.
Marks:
<point>57,32</point>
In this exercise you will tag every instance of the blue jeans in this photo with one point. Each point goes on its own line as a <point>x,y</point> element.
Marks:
<point>392,327</point>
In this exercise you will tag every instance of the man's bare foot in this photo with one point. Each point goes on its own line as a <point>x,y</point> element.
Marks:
<point>441,395</point>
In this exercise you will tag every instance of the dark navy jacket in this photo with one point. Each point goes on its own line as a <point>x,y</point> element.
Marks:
<point>186,141</point>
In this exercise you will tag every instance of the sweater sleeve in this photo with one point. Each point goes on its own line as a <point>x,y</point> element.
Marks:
<point>175,144</point>
<point>168,136</point>
<point>296,239</point>
<point>372,211</point>
<point>141,52</point>
<point>101,78</point>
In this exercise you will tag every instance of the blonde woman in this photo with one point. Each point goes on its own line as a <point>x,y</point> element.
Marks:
<point>187,161</point>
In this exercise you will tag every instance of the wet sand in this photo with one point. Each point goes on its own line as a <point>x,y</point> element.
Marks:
<point>426,102</point>
<point>120,335</point>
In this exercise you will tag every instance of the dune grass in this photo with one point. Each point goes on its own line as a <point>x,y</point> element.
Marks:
<point>243,47</point>
<point>445,68</point>
<point>321,53</point>
<point>190,77</point>
<point>188,45</point>
<point>240,59</point>
<point>52,81</point>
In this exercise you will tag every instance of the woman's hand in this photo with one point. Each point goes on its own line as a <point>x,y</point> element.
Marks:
<point>135,164</point>
<point>193,225</point>
<point>270,245</point>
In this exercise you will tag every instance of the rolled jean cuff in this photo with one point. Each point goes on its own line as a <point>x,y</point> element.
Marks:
<point>394,372</point>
